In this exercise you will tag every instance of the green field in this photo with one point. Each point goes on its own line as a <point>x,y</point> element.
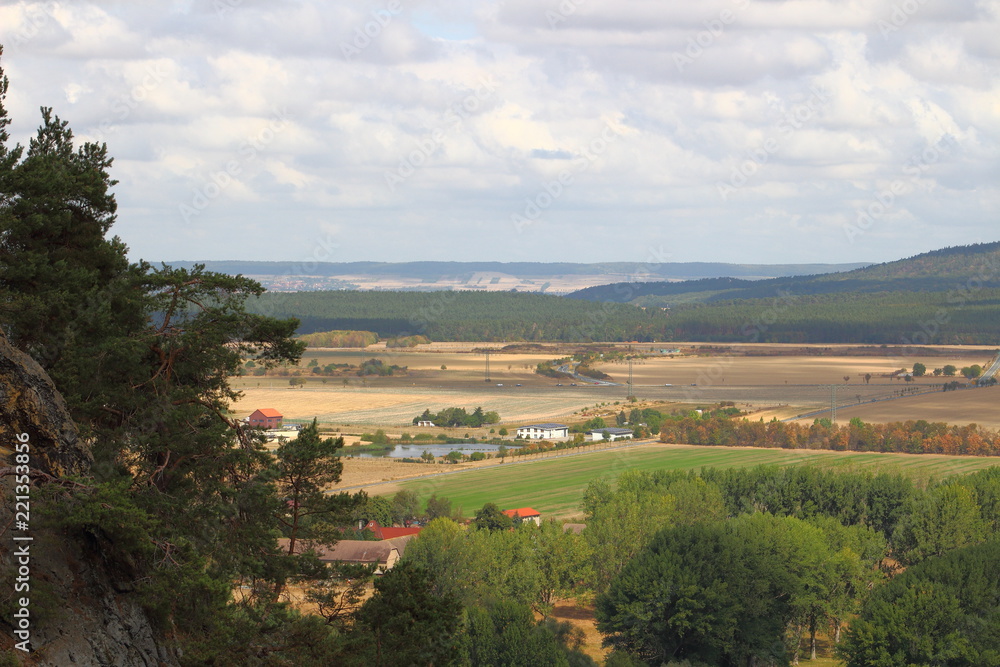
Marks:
<point>555,486</point>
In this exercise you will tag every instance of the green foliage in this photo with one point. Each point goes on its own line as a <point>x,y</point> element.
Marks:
<point>379,368</point>
<point>405,622</point>
<point>972,372</point>
<point>919,369</point>
<point>944,611</point>
<point>467,316</point>
<point>375,508</point>
<point>339,339</point>
<point>407,341</point>
<point>506,634</point>
<point>945,518</point>
<point>453,417</point>
<point>489,517</point>
<point>405,506</point>
<point>719,593</point>
<point>438,507</point>
<point>303,469</point>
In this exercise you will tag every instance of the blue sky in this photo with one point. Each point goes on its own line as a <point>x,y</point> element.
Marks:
<point>749,131</point>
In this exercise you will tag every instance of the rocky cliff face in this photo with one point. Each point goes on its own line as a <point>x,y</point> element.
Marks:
<point>83,611</point>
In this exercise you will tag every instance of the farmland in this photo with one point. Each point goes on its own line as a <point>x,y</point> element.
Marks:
<point>767,381</point>
<point>555,486</point>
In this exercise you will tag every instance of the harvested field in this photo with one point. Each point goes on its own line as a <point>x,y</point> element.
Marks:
<point>397,406</point>
<point>795,382</point>
<point>739,370</point>
<point>967,406</point>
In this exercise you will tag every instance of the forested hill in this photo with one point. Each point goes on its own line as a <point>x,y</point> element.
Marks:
<point>466,316</point>
<point>937,271</point>
<point>432,271</point>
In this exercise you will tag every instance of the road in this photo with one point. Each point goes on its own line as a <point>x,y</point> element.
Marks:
<point>992,370</point>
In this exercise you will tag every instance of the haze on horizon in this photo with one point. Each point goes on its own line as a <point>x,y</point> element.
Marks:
<point>736,131</point>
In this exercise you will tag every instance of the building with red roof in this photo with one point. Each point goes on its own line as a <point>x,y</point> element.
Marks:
<point>265,418</point>
<point>525,514</point>
<point>391,533</point>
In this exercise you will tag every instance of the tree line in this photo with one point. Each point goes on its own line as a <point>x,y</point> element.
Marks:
<point>911,437</point>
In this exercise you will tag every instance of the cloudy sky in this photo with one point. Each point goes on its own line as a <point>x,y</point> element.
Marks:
<point>753,131</point>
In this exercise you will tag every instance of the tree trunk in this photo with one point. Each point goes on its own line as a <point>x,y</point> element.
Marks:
<point>798,644</point>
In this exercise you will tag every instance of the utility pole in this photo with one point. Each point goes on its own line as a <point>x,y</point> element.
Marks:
<point>833,404</point>
<point>629,378</point>
<point>488,366</point>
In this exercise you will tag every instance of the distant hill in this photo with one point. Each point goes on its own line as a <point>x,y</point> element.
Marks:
<point>539,277</point>
<point>935,271</point>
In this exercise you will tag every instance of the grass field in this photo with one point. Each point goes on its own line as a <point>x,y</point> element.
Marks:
<point>555,487</point>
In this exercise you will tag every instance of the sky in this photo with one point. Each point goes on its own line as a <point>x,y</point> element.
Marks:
<point>745,131</point>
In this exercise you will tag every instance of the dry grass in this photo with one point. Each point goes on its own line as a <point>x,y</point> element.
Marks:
<point>775,384</point>
<point>968,406</point>
<point>738,370</point>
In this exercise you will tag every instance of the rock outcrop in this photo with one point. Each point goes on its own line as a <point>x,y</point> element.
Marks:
<point>84,612</point>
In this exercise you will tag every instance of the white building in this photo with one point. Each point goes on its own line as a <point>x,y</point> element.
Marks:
<point>543,431</point>
<point>614,433</point>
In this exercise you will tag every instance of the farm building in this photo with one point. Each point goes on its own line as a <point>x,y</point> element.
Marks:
<point>543,431</point>
<point>390,533</point>
<point>613,433</point>
<point>383,554</point>
<point>526,514</point>
<point>265,418</point>
<point>425,423</point>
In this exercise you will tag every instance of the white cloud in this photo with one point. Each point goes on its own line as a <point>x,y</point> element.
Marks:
<point>476,106</point>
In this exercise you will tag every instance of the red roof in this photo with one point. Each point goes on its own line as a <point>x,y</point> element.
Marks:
<point>523,512</point>
<point>390,533</point>
<point>269,412</point>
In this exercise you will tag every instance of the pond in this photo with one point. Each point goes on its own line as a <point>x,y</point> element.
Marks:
<point>414,451</point>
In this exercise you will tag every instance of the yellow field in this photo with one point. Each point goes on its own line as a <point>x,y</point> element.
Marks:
<point>387,407</point>
<point>782,386</point>
<point>776,370</point>
<point>970,406</point>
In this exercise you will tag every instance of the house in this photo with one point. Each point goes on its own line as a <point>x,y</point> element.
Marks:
<point>612,432</point>
<point>543,431</point>
<point>425,423</point>
<point>390,533</point>
<point>265,418</point>
<point>383,554</point>
<point>525,514</point>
